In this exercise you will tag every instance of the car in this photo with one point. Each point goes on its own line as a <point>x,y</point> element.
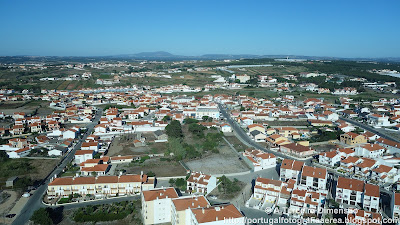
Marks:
<point>10,215</point>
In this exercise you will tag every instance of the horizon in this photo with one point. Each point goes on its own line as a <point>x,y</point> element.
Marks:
<point>339,29</point>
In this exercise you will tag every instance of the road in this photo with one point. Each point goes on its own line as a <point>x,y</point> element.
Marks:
<point>35,201</point>
<point>103,201</point>
<point>369,128</point>
<point>243,136</point>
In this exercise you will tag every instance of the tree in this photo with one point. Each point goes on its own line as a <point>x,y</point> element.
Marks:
<point>166,118</point>
<point>190,121</point>
<point>197,129</point>
<point>171,181</point>
<point>3,156</point>
<point>174,129</point>
<point>42,217</point>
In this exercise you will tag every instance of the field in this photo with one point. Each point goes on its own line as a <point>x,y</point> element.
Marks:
<point>226,161</point>
<point>27,107</point>
<point>155,165</point>
<point>122,146</point>
<point>34,169</point>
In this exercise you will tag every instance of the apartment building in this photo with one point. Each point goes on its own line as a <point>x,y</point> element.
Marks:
<point>99,186</point>
<point>214,215</point>
<point>157,205</point>
<point>371,198</point>
<point>314,178</point>
<point>181,208</point>
<point>349,191</point>
<point>290,169</point>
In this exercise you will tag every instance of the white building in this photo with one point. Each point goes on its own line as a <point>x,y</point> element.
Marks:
<point>201,183</point>
<point>261,160</point>
<point>157,205</point>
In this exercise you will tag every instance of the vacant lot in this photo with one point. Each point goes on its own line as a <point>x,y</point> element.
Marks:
<point>155,165</point>
<point>287,123</point>
<point>35,169</point>
<point>123,146</point>
<point>27,107</point>
<point>226,161</point>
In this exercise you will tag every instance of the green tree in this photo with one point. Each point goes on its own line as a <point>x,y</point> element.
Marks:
<point>3,156</point>
<point>174,129</point>
<point>42,217</point>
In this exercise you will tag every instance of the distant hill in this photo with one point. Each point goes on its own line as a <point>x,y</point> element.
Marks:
<point>166,56</point>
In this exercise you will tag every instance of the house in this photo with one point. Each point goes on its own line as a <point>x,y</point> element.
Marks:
<point>99,170</point>
<point>305,203</point>
<point>314,178</point>
<point>201,183</point>
<point>257,136</point>
<point>160,135</point>
<point>384,174</point>
<point>286,131</point>
<point>83,155</point>
<point>277,140</point>
<point>91,145</point>
<point>71,133</point>
<point>349,191</point>
<point>370,150</point>
<point>219,214</point>
<point>331,158</point>
<point>256,127</point>
<point>181,213</point>
<point>377,120</point>
<point>35,127</point>
<point>351,138</point>
<point>348,163</point>
<point>260,160</point>
<point>290,169</point>
<point>124,159</point>
<point>371,198</point>
<point>18,142</point>
<point>391,146</point>
<point>226,128</point>
<point>157,205</point>
<point>297,149</point>
<point>22,152</point>
<point>17,129</point>
<point>364,168</point>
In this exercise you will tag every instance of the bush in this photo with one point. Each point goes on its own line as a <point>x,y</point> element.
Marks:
<point>42,217</point>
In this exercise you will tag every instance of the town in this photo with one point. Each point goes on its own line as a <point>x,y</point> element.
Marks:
<point>199,142</point>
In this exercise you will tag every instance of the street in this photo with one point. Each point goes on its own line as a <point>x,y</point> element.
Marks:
<point>35,201</point>
<point>243,136</point>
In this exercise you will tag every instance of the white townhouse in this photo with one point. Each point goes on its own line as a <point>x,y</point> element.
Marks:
<point>371,198</point>
<point>199,182</point>
<point>83,155</point>
<point>331,158</point>
<point>290,169</point>
<point>261,160</point>
<point>349,191</point>
<point>314,178</point>
<point>181,208</point>
<point>370,150</point>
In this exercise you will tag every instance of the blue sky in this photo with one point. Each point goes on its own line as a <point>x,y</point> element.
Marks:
<point>299,27</point>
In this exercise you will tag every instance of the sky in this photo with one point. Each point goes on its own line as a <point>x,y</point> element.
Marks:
<point>340,28</point>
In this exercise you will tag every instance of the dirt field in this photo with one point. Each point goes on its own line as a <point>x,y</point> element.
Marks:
<point>160,168</point>
<point>42,167</point>
<point>126,147</point>
<point>239,146</point>
<point>224,162</point>
<point>9,202</point>
<point>27,107</point>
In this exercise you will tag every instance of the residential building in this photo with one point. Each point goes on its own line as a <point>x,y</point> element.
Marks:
<point>351,138</point>
<point>349,191</point>
<point>201,183</point>
<point>314,178</point>
<point>290,169</point>
<point>157,205</point>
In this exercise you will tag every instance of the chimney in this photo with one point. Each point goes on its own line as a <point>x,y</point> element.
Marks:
<point>202,210</point>
<point>216,218</point>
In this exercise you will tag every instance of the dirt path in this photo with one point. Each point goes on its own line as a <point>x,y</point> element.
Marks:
<point>7,205</point>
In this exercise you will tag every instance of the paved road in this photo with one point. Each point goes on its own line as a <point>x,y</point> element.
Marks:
<point>240,132</point>
<point>35,201</point>
<point>103,201</point>
<point>369,128</point>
